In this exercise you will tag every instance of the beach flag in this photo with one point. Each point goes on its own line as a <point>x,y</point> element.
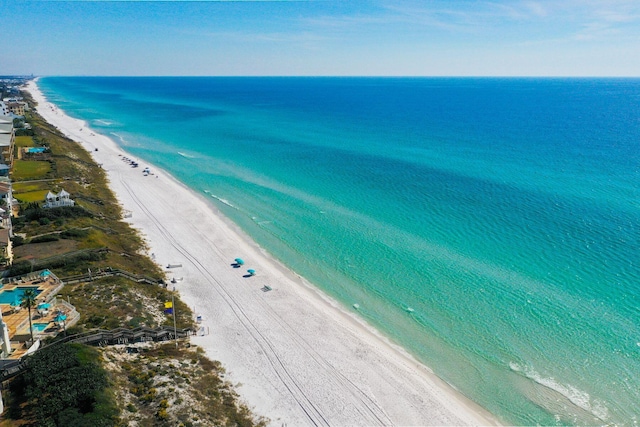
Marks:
<point>168,307</point>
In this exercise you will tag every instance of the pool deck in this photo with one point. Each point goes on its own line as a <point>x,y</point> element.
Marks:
<point>17,318</point>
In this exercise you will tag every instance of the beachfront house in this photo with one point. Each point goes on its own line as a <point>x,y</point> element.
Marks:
<point>6,204</point>
<point>5,341</point>
<point>7,139</point>
<point>58,200</point>
<point>6,249</point>
<point>17,108</point>
<point>14,105</point>
<point>5,218</point>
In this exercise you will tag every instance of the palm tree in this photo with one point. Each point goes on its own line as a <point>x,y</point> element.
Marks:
<point>29,300</point>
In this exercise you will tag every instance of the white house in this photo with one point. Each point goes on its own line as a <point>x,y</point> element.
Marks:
<point>7,139</point>
<point>57,200</point>
<point>5,342</point>
<point>6,203</point>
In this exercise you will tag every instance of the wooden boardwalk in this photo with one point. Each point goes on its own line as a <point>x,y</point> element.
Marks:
<point>107,272</point>
<point>101,337</point>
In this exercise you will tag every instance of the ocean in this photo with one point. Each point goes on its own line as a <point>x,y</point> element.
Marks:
<point>489,226</point>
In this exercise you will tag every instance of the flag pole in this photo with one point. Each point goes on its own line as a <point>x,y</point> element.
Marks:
<point>173,305</point>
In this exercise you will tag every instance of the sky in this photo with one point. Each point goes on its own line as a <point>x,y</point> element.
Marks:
<point>321,38</point>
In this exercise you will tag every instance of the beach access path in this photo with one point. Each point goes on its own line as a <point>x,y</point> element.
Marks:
<point>295,356</point>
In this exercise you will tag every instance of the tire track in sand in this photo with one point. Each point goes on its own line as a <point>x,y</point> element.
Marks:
<point>312,412</point>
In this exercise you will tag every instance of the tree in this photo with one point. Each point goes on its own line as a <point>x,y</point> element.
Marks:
<point>28,300</point>
<point>63,385</point>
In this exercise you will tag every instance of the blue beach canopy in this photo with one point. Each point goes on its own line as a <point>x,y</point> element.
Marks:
<point>43,305</point>
<point>239,261</point>
<point>251,271</point>
<point>60,317</point>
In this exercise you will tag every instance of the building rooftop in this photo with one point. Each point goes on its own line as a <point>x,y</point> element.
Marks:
<point>5,139</point>
<point>4,236</point>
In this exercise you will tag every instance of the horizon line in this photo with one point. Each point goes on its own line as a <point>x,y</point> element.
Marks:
<point>34,76</point>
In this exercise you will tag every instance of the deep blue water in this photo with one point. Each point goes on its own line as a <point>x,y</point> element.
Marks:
<point>504,212</point>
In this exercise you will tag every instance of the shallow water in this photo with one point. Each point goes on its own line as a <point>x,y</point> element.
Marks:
<point>489,226</point>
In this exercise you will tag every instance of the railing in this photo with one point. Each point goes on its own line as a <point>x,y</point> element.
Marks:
<point>72,314</point>
<point>101,338</point>
<point>11,369</point>
<point>107,272</point>
<point>55,290</point>
<point>31,277</point>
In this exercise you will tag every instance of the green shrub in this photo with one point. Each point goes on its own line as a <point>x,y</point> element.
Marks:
<point>134,322</point>
<point>162,414</point>
<point>24,132</point>
<point>18,221</point>
<point>64,384</point>
<point>70,261</point>
<point>17,241</point>
<point>34,212</point>
<point>45,238</point>
<point>19,268</point>
<point>74,233</point>
<point>95,321</point>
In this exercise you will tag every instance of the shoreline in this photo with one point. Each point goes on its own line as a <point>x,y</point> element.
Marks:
<point>300,357</point>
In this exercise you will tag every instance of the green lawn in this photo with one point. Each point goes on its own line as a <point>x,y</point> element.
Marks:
<point>31,196</point>
<point>25,169</point>
<point>25,187</point>
<point>24,141</point>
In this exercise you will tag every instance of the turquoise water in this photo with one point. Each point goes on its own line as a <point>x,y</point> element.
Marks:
<point>14,296</point>
<point>40,326</point>
<point>489,226</point>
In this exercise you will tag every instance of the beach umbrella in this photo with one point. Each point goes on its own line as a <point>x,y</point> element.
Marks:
<point>251,272</point>
<point>61,317</point>
<point>43,306</point>
<point>239,261</point>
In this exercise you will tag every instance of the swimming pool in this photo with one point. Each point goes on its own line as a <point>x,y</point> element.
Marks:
<point>40,326</point>
<point>14,296</point>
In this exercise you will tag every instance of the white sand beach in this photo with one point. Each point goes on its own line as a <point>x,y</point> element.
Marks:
<point>296,357</point>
